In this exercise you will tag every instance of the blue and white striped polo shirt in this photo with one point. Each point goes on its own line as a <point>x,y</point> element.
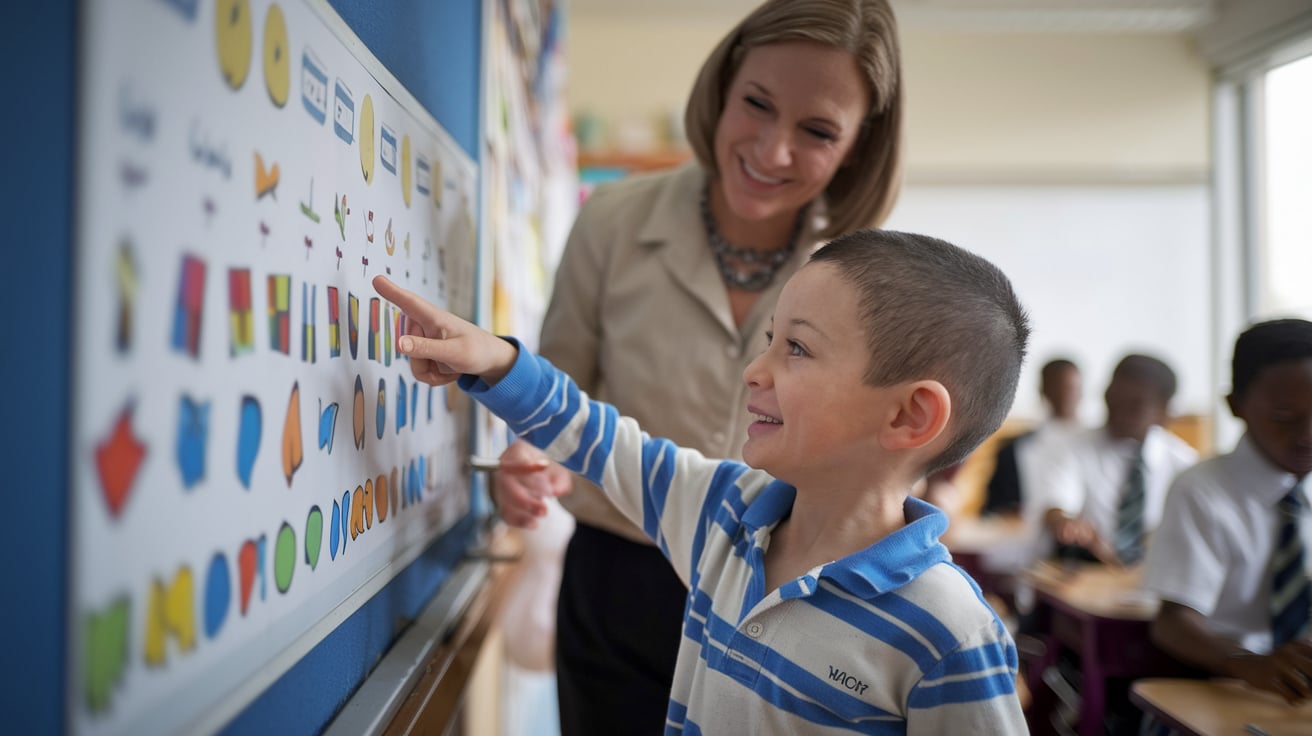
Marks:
<point>893,639</point>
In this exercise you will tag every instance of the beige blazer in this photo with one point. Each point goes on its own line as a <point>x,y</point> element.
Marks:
<point>640,318</point>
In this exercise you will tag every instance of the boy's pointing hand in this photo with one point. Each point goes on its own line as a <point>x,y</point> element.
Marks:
<point>442,346</point>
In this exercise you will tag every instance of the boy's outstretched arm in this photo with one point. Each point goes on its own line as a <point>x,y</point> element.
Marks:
<point>442,347</point>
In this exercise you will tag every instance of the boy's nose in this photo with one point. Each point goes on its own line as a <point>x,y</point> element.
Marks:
<point>754,374</point>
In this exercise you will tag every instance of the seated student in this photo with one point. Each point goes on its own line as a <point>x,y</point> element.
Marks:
<point>1229,560</point>
<point>821,599</point>
<point>1016,468</point>
<point>1103,490</point>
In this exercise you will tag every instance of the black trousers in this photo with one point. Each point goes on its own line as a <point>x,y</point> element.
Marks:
<point>618,626</point>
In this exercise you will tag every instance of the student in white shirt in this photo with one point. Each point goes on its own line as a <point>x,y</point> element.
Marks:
<point>1216,554</point>
<point>1089,479</point>
<point>1019,461</point>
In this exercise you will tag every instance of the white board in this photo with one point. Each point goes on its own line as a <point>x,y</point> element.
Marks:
<point>251,459</point>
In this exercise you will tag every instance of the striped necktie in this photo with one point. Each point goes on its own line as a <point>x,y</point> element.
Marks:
<point>1291,591</point>
<point>1129,512</point>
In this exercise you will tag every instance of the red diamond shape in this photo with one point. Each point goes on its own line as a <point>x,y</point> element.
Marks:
<point>117,460</point>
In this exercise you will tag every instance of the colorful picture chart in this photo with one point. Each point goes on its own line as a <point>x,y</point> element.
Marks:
<point>251,459</point>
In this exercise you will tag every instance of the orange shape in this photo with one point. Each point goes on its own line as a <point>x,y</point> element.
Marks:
<point>247,559</point>
<point>357,414</point>
<point>118,459</point>
<point>292,450</point>
<point>266,179</point>
<point>380,498</point>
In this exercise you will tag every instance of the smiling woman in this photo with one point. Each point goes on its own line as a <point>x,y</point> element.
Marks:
<point>795,120</point>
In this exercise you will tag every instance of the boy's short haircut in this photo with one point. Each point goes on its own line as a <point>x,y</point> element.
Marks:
<point>1267,343</point>
<point>935,311</point>
<point>1149,370</point>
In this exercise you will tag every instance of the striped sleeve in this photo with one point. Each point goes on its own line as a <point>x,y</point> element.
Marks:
<point>970,690</point>
<point>544,406</point>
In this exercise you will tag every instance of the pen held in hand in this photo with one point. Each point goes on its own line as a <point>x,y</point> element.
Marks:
<point>478,462</point>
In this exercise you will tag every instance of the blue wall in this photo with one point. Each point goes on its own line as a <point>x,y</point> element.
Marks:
<point>434,49</point>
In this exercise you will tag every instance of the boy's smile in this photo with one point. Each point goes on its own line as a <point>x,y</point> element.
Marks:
<point>813,415</point>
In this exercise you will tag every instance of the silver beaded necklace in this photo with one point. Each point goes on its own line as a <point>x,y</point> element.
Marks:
<point>761,265</point>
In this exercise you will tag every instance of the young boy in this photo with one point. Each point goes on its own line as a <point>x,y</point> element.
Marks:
<point>1103,490</point>
<point>1230,561</point>
<point>820,599</point>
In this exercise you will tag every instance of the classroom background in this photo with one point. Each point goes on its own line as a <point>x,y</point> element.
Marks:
<point>1139,168</point>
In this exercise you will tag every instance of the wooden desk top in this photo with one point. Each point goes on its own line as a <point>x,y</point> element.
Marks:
<point>1220,708</point>
<point>971,535</point>
<point>1095,590</point>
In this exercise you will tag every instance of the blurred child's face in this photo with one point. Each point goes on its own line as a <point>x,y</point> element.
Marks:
<point>791,115</point>
<point>1133,407</point>
<point>1063,392</point>
<point>813,415</point>
<point>1277,407</point>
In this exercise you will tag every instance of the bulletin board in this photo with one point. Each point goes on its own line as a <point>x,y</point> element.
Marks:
<point>251,459</point>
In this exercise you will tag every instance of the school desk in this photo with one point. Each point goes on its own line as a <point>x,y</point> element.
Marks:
<point>1100,613</point>
<point>990,549</point>
<point>1219,708</point>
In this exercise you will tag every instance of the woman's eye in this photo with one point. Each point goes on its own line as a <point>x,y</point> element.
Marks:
<point>820,134</point>
<point>756,102</point>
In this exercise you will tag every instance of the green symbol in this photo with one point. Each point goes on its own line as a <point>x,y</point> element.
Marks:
<point>106,653</point>
<point>313,536</point>
<point>307,208</point>
<point>284,558</point>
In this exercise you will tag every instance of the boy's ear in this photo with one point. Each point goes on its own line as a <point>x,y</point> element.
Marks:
<point>1236,409</point>
<point>920,416</point>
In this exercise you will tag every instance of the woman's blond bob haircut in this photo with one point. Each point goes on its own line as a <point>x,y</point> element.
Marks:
<point>863,190</point>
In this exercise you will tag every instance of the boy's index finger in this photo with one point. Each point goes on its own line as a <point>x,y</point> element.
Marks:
<point>408,301</point>
<point>391,291</point>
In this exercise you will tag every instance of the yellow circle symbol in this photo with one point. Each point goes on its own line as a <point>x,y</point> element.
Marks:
<point>367,139</point>
<point>277,58</point>
<point>405,169</point>
<point>232,36</point>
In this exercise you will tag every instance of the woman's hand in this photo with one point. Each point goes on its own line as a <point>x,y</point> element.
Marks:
<point>442,347</point>
<point>524,478</point>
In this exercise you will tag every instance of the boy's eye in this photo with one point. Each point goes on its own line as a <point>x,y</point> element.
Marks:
<point>795,348</point>
<point>769,337</point>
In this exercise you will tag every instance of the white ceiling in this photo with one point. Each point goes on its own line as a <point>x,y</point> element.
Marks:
<point>1081,16</point>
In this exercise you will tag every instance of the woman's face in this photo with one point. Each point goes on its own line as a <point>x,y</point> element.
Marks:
<point>791,116</point>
